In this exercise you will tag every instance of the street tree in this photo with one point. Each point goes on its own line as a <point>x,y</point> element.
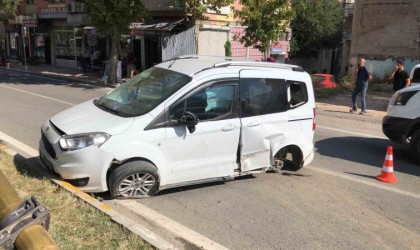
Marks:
<point>318,25</point>
<point>195,9</point>
<point>114,18</point>
<point>9,7</point>
<point>264,20</point>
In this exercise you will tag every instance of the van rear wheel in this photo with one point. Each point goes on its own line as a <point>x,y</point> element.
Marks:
<point>136,179</point>
<point>415,146</point>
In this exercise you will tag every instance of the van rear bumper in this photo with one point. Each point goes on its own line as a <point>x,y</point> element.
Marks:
<point>309,158</point>
<point>396,128</point>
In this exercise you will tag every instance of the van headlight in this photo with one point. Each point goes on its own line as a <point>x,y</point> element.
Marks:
<point>79,141</point>
<point>402,98</point>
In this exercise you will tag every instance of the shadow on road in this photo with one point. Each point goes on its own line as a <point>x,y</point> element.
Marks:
<point>14,78</point>
<point>367,151</point>
<point>32,168</point>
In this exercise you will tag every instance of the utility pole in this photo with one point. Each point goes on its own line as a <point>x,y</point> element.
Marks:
<point>24,47</point>
<point>21,218</point>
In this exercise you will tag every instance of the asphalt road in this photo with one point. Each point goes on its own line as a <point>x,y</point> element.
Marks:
<point>333,203</point>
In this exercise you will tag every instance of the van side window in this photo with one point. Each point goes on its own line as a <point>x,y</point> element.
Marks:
<point>298,93</point>
<point>262,96</point>
<point>211,103</point>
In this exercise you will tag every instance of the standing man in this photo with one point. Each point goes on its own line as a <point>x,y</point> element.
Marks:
<point>362,78</point>
<point>400,76</point>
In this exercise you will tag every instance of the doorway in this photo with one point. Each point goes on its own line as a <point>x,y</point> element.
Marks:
<point>47,44</point>
<point>153,51</point>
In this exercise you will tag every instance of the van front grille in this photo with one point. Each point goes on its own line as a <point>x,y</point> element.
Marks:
<point>48,146</point>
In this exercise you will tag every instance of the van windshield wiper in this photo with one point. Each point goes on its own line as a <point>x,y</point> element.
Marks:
<point>106,108</point>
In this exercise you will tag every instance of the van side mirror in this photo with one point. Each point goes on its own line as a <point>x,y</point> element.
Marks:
<point>190,119</point>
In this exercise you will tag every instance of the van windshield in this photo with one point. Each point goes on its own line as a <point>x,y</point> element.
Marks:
<point>143,93</point>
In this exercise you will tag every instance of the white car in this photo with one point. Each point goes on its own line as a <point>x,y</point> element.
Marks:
<point>402,123</point>
<point>189,120</point>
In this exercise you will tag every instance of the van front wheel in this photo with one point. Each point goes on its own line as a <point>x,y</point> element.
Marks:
<point>136,179</point>
<point>415,146</point>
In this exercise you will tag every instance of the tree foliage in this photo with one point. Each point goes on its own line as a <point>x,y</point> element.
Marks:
<point>9,7</point>
<point>264,21</point>
<point>114,17</point>
<point>318,24</point>
<point>195,9</point>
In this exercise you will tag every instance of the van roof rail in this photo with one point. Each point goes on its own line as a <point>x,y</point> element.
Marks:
<point>260,64</point>
<point>238,61</point>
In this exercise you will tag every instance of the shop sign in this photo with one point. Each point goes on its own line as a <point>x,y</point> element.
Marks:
<point>135,25</point>
<point>30,21</point>
<point>51,13</point>
<point>74,19</point>
<point>10,29</point>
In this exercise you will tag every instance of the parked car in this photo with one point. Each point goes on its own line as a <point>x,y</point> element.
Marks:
<point>189,120</point>
<point>402,123</point>
<point>415,75</point>
<point>324,81</point>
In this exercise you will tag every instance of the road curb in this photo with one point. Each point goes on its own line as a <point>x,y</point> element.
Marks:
<point>117,217</point>
<point>143,232</point>
<point>189,238</point>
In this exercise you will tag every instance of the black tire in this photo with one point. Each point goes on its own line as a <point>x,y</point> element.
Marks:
<point>415,146</point>
<point>129,180</point>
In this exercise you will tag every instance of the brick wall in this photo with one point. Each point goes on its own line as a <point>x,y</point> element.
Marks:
<point>386,29</point>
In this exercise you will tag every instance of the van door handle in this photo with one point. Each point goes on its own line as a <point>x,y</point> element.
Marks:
<point>253,123</point>
<point>228,127</point>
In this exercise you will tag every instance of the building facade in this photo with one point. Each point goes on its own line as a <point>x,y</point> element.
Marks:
<point>385,31</point>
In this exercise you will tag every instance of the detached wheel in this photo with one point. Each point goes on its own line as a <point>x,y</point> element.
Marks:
<point>137,179</point>
<point>415,146</point>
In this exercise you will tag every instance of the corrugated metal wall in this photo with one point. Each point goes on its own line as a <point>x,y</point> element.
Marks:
<point>179,44</point>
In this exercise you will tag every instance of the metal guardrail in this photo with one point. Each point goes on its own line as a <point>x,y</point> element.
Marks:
<point>23,224</point>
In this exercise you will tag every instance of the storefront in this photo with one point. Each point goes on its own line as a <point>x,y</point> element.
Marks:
<point>58,40</point>
<point>13,43</point>
<point>67,45</point>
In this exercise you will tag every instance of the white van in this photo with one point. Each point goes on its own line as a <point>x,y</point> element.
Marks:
<point>189,120</point>
<point>402,123</point>
<point>415,75</point>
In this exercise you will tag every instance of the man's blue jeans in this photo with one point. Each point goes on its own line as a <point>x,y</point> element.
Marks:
<point>361,87</point>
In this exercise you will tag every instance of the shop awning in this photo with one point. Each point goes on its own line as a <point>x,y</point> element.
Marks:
<point>159,25</point>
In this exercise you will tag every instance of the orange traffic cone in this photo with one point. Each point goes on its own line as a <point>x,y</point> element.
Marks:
<point>387,174</point>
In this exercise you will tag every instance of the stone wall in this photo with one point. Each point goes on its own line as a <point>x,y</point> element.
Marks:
<point>385,29</point>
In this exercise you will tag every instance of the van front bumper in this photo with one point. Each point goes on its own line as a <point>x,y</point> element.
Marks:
<point>396,128</point>
<point>85,168</point>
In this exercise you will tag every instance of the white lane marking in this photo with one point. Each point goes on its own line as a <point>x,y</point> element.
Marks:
<point>351,132</point>
<point>362,181</point>
<point>42,96</point>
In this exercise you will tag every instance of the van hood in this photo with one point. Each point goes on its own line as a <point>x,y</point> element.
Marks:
<point>86,117</point>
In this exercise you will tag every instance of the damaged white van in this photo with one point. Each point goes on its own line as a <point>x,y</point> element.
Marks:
<point>186,121</point>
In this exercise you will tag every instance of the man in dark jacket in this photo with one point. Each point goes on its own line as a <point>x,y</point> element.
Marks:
<point>363,77</point>
<point>400,76</point>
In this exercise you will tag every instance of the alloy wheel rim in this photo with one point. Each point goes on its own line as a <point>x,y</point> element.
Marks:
<point>136,185</point>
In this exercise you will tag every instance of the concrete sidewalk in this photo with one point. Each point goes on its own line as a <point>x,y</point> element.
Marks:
<point>67,74</point>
